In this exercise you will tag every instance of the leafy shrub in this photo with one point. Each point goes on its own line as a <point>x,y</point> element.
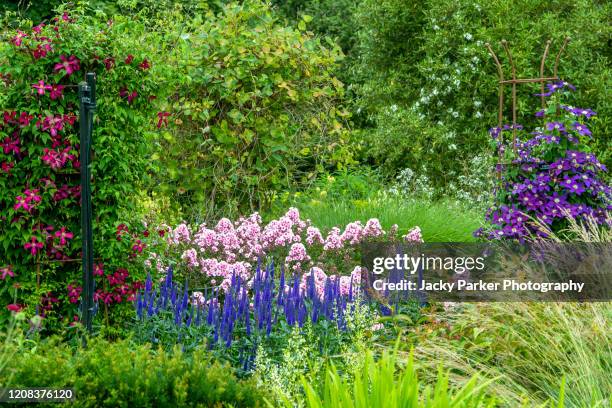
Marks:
<point>39,178</point>
<point>329,18</point>
<point>429,60</point>
<point>39,10</point>
<point>253,108</point>
<point>552,175</point>
<point>121,375</point>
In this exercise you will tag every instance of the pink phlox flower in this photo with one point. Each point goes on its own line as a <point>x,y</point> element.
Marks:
<point>414,235</point>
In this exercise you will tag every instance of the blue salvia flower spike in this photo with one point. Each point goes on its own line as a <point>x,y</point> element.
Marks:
<point>148,283</point>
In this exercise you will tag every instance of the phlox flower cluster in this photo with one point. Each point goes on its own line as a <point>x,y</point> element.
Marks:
<point>230,249</point>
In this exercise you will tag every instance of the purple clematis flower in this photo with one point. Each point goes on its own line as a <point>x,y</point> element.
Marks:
<point>582,129</point>
<point>555,126</point>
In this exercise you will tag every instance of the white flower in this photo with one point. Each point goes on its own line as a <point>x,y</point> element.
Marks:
<point>467,36</point>
<point>477,103</point>
<point>455,114</point>
<point>452,146</point>
<point>436,27</point>
<point>478,114</point>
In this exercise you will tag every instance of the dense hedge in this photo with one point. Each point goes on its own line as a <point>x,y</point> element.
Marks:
<point>116,374</point>
<point>425,86</point>
<point>430,59</point>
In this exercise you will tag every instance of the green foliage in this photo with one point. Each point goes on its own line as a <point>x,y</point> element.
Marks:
<point>338,199</point>
<point>120,375</point>
<point>254,109</point>
<point>528,347</point>
<point>330,18</point>
<point>378,384</point>
<point>429,61</point>
<point>120,146</point>
<point>39,10</point>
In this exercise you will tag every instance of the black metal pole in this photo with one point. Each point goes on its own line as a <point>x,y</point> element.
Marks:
<point>87,106</point>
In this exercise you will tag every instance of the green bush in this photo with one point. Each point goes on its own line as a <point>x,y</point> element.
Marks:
<point>429,60</point>
<point>120,375</point>
<point>253,109</point>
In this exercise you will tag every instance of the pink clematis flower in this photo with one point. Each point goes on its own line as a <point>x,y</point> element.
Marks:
<point>24,119</point>
<point>144,65</point>
<point>32,195</point>
<point>70,65</point>
<point>6,167</point>
<point>109,63</point>
<point>11,145</point>
<point>6,271</point>
<point>13,307</point>
<point>64,235</point>
<point>22,202</point>
<point>57,91</point>
<point>38,29</point>
<point>41,87</point>
<point>162,119</point>
<point>42,50</point>
<point>18,39</point>
<point>33,246</point>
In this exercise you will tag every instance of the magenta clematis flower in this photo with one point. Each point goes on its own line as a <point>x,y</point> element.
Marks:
<point>13,307</point>
<point>32,195</point>
<point>22,202</point>
<point>132,96</point>
<point>162,119</point>
<point>6,271</point>
<point>53,124</point>
<point>123,92</point>
<point>109,63</point>
<point>41,87</point>
<point>18,39</point>
<point>144,65</point>
<point>98,269</point>
<point>64,235</point>
<point>129,59</point>
<point>6,167</point>
<point>57,91</point>
<point>33,246</point>
<point>24,119</point>
<point>38,29</point>
<point>42,50</point>
<point>11,145</point>
<point>70,65</point>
